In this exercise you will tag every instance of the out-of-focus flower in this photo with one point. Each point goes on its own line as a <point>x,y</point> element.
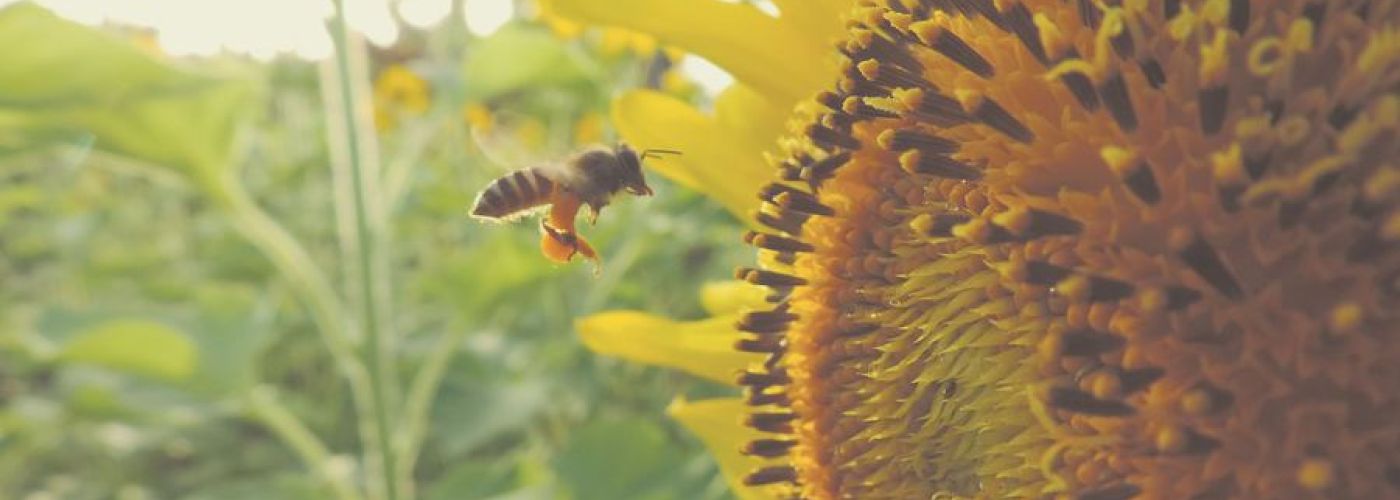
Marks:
<point>562,28</point>
<point>145,39</point>
<point>611,41</point>
<point>398,92</point>
<point>1024,248</point>
<point>589,128</point>
<point>478,118</point>
<point>531,133</point>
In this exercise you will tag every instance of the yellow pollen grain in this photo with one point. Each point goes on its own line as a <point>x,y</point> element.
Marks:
<point>1316,474</point>
<point>1383,184</point>
<point>1121,160</point>
<point>1293,130</point>
<point>922,224</point>
<point>975,230</point>
<point>1183,25</point>
<point>869,68</point>
<point>926,31</point>
<point>909,161</point>
<point>1215,60</point>
<point>1228,166</point>
<point>969,99</point>
<point>1390,229</point>
<point>1152,299</point>
<point>1170,439</point>
<point>908,99</point>
<point>899,20</point>
<point>1383,50</point>
<point>1345,317</point>
<point>1016,220</point>
<point>1105,385</point>
<point>1076,65</point>
<point>1198,402</point>
<point>1216,12</point>
<point>1054,41</point>
<point>886,139</point>
<point>1300,36</point>
<point>1265,56</point>
<point>1074,288</point>
<point>1014,271</point>
<point>1128,325</point>
<point>1254,129</point>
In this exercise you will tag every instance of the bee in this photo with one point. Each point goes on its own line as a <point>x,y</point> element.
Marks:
<point>589,178</point>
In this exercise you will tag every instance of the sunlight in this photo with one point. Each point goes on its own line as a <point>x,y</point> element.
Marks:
<point>262,29</point>
<point>484,17</point>
<point>711,78</point>
<point>424,13</point>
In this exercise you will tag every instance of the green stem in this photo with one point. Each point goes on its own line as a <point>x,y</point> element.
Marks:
<point>262,403</point>
<point>296,266</point>
<point>420,398</point>
<point>397,172</point>
<point>380,359</point>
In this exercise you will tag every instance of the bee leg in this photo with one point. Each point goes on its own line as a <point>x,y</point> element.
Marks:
<point>558,245</point>
<point>584,248</point>
<point>562,213</point>
<point>561,246</point>
<point>560,241</point>
<point>587,250</point>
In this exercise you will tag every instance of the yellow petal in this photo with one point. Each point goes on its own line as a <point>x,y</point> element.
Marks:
<point>703,348</point>
<point>724,297</point>
<point>820,20</point>
<point>716,423</point>
<point>751,117</point>
<point>729,169</point>
<point>774,57</point>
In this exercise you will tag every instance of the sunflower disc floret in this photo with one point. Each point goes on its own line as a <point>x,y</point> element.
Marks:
<point>1100,249</point>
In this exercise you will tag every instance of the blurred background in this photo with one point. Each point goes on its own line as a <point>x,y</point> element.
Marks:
<point>183,277</point>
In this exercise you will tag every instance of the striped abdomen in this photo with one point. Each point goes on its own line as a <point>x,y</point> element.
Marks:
<point>514,193</point>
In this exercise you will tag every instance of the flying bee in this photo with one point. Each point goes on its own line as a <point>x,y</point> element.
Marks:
<point>589,178</point>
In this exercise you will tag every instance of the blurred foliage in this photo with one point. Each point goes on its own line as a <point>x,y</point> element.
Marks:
<point>136,105</point>
<point>137,323</point>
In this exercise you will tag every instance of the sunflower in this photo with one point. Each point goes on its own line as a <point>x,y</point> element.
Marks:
<point>1023,248</point>
<point>398,93</point>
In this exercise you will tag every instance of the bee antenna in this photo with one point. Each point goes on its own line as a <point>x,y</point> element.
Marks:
<point>657,152</point>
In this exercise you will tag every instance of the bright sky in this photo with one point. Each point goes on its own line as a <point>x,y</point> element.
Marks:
<point>265,29</point>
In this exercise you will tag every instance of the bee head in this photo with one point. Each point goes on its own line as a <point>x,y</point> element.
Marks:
<point>632,179</point>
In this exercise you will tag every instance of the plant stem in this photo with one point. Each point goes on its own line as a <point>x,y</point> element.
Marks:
<point>420,397</point>
<point>379,356</point>
<point>309,283</point>
<point>397,171</point>
<point>262,402</point>
<point>293,263</point>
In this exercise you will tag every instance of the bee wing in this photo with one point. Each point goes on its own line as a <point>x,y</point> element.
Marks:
<point>514,141</point>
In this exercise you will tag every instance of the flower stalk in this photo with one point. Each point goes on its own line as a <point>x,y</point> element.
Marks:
<point>369,272</point>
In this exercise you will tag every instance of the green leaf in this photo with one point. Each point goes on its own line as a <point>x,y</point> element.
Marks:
<point>630,458</point>
<point>63,81</point>
<point>474,479</point>
<point>519,56</point>
<point>515,266</point>
<point>136,346</point>
<point>225,333</point>
<point>275,486</point>
<point>470,416</point>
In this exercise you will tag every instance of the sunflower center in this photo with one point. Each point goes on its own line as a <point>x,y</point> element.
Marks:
<point>1025,248</point>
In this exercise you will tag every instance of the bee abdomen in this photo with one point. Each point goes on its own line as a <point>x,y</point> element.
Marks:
<point>514,193</point>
